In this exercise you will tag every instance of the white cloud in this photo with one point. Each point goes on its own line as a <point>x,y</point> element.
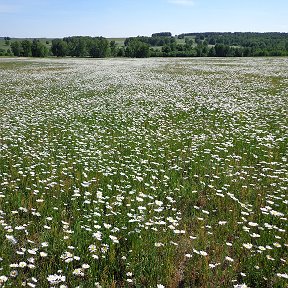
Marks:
<point>182,2</point>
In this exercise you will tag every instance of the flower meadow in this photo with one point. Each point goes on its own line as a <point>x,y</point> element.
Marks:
<point>143,173</point>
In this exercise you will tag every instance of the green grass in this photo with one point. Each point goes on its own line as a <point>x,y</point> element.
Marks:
<point>151,171</point>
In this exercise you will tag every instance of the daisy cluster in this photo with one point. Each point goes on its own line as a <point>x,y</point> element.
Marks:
<point>143,173</point>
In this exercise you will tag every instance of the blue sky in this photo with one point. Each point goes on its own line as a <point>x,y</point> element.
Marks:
<point>122,18</point>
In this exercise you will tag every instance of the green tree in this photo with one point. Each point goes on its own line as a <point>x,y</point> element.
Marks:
<point>80,49</point>
<point>212,52</point>
<point>16,48</point>
<point>222,50</point>
<point>59,48</point>
<point>26,48</point>
<point>38,49</point>
<point>238,52</point>
<point>137,49</point>
<point>8,53</point>
<point>99,47</point>
<point>212,41</point>
<point>121,52</point>
<point>113,48</point>
<point>189,42</point>
<point>2,52</point>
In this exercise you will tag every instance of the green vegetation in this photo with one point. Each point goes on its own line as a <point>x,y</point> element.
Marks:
<point>245,44</point>
<point>148,173</point>
<point>27,48</point>
<point>161,44</point>
<point>4,47</point>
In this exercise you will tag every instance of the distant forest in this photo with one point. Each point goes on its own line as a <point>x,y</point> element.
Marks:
<point>163,44</point>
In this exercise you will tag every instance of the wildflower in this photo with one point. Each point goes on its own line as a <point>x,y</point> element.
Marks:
<point>247,245</point>
<point>97,235</point>
<point>34,279</point>
<point>32,251</point>
<point>85,184</point>
<point>11,239</point>
<point>78,272</point>
<point>22,264</point>
<point>282,275</point>
<point>43,254</point>
<point>14,273</point>
<point>222,222</point>
<point>276,213</point>
<point>3,279</point>
<point>203,253</point>
<point>56,279</point>
<point>158,203</point>
<point>31,260</point>
<point>114,239</point>
<point>158,244</point>
<point>92,248</point>
<point>269,257</point>
<point>107,226</point>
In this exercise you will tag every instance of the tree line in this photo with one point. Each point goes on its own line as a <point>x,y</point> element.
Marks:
<point>27,48</point>
<point>244,43</point>
<point>163,44</point>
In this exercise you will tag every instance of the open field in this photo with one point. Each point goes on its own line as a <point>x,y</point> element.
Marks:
<point>143,173</point>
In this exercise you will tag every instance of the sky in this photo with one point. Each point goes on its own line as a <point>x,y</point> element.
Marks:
<point>124,18</point>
